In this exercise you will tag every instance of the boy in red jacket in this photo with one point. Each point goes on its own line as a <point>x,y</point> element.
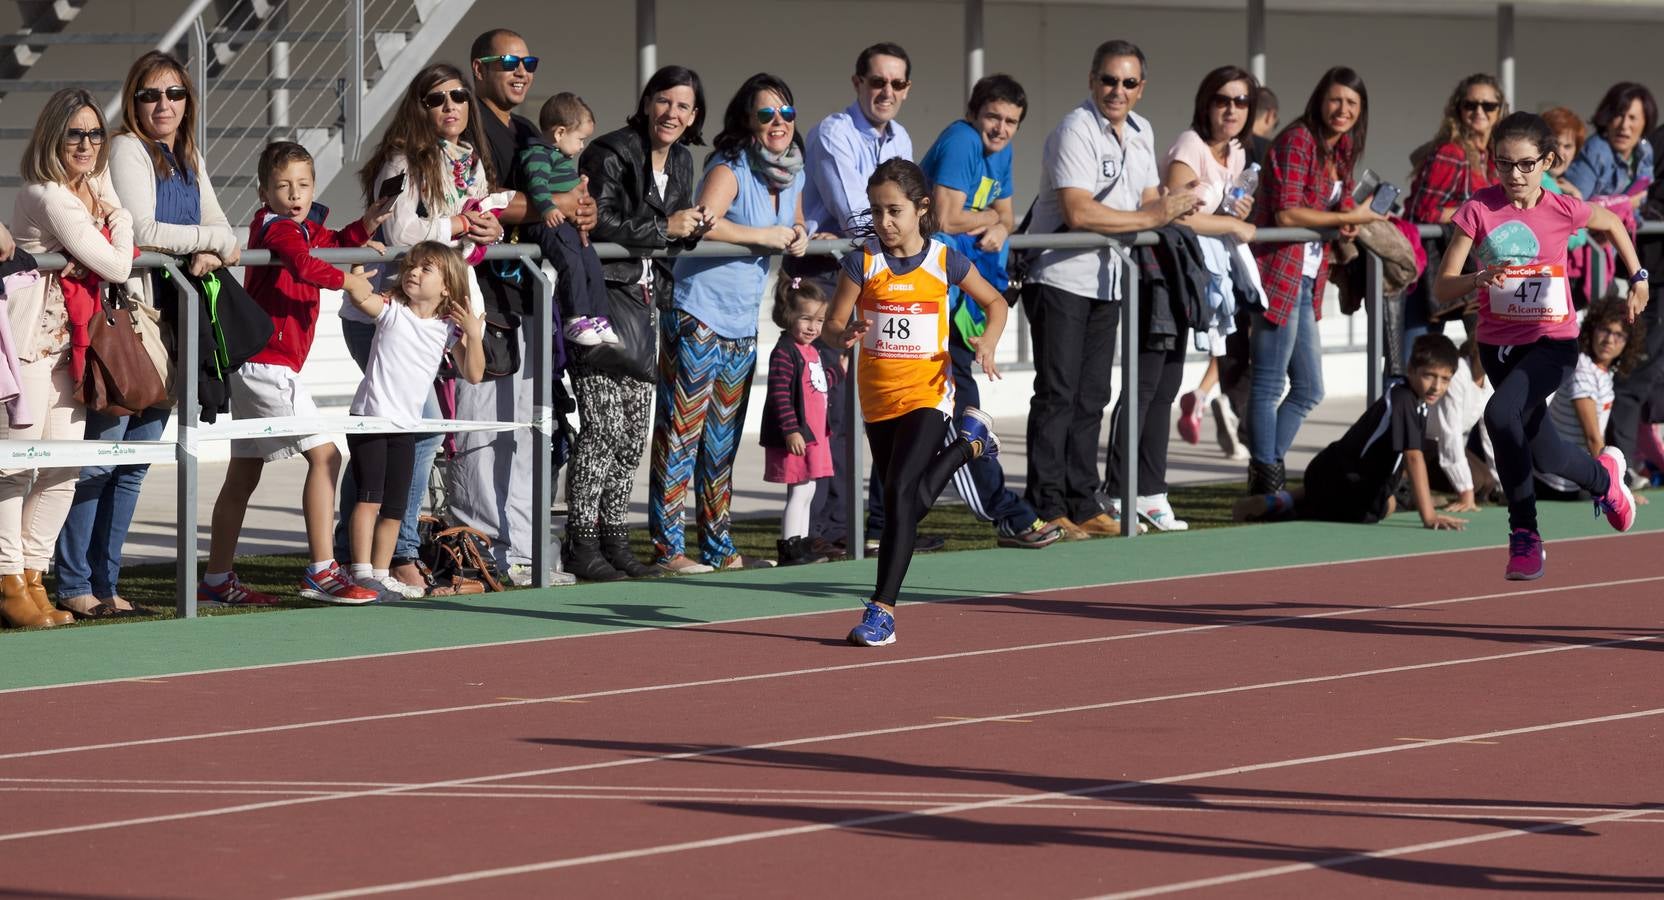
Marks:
<point>290,225</point>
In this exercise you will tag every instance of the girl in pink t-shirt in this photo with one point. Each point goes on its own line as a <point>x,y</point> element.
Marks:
<point>1527,329</point>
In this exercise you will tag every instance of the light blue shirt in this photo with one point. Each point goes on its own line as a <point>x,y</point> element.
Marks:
<point>1596,171</point>
<point>725,293</point>
<point>842,153</point>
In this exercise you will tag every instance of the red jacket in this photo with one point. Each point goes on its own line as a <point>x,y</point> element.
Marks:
<point>289,292</point>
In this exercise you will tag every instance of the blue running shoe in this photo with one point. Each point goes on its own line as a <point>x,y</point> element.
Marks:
<point>977,427</point>
<point>877,628</point>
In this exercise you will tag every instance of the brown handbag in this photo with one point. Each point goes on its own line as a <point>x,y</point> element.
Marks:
<point>120,378</point>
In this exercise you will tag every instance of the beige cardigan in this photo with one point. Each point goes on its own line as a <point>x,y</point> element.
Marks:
<point>134,178</point>
<point>49,218</point>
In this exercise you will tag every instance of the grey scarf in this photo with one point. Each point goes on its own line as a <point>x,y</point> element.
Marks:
<point>778,169</point>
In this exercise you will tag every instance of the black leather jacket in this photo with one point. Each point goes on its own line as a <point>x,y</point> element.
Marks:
<point>629,210</point>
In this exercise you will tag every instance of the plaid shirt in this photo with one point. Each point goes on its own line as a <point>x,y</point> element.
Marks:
<point>1294,178</point>
<point>1445,180</point>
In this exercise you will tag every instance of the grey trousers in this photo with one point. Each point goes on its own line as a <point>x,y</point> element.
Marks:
<point>491,477</point>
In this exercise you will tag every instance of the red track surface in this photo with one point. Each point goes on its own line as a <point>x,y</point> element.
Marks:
<point>1249,734</point>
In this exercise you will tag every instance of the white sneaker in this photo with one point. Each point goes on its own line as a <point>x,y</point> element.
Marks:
<point>394,589</point>
<point>520,575</point>
<point>581,331</point>
<point>1114,510</point>
<point>603,330</point>
<point>1225,420</point>
<point>1159,513</point>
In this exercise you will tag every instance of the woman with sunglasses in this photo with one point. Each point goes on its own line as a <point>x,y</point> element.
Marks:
<point>1307,184</point>
<point>444,187</point>
<point>159,175</point>
<point>1212,156</point>
<point>66,206</point>
<point>708,343</point>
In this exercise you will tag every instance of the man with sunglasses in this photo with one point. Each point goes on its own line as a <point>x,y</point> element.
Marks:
<point>1099,175</point>
<point>485,493</point>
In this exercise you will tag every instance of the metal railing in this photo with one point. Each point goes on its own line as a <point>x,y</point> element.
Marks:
<point>541,357</point>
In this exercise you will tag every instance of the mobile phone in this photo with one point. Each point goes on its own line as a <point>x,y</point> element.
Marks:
<point>392,187</point>
<point>1385,196</point>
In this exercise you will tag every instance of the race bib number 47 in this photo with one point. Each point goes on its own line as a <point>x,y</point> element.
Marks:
<point>903,329</point>
<point>1531,294</point>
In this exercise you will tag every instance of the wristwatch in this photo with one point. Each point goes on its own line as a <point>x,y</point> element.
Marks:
<point>1639,276</point>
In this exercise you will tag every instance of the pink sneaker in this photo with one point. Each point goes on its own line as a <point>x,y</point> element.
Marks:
<point>1525,556</point>
<point>1190,417</point>
<point>231,592</point>
<point>1619,503</point>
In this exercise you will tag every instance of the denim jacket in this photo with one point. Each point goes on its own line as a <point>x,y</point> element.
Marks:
<point>1598,172</point>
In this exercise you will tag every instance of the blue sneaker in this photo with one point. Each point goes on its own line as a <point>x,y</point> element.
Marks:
<point>977,427</point>
<point>877,628</point>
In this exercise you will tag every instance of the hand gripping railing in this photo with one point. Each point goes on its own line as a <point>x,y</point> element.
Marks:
<point>542,357</point>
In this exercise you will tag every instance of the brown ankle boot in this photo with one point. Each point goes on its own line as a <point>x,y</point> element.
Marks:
<point>37,592</point>
<point>17,608</point>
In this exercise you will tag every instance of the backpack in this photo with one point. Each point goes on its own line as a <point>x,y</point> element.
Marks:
<point>457,555</point>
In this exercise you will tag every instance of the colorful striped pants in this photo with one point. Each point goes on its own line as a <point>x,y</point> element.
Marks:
<point>704,380</point>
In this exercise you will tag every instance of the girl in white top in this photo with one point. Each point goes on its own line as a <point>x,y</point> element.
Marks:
<point>423,316</point>
<point>1580,408</point>
<point>1209,158</point>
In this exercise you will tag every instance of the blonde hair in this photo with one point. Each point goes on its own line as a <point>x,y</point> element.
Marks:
<point>43,160</point>
<point>453,268</point>
<point>184,142</point>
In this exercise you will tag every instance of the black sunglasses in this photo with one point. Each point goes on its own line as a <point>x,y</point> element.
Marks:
<point>155,95</point>
<point>1489,106</point>
<point>877,82</point>
<point>1222,101</point>
<point>765,114</point>
<point>1110,81</point>
<point>437,98</point>
<point>510,62</point>
<point>1525,166</point>
<point>74,136</point>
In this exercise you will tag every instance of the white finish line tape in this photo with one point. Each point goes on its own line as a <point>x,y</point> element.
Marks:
<point>66,454</point>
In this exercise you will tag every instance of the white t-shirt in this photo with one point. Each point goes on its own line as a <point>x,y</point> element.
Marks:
<point>1084,152</point>
<point>404,358</point>
<point>1585,381</point>
<point>1314,249</point>
<point>661,180</point>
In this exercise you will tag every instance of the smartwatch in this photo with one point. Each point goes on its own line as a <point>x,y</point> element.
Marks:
<point>1639,276</point>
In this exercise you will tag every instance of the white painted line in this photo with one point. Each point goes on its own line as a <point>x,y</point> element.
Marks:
<point>795,673</point>
<point>687,625</point>
<point>1334,862</point>
<point>850,735</point>
<point>1094,791</point>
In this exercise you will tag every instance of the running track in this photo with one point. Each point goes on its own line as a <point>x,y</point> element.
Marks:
<point>1320,731</point>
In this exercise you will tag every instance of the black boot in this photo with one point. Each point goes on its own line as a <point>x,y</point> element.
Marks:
<point>583,557</point>
<point>1264,478</point>
<point>794,551</point>
<point>615,549</point>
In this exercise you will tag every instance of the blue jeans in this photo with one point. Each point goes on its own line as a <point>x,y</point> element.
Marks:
<point>1283,354</point>
<point>358,336</point>
<point>89,546</point>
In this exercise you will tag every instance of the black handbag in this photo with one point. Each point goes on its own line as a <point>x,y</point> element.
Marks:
<point>500,343</point>
<point>635,320</point>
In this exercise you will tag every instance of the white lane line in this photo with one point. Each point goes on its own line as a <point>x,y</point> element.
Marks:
<point>816,670</point>
<point>953,809</point>
<point>822,612</point>
<point>818,739</point>
<point>1334,862</point>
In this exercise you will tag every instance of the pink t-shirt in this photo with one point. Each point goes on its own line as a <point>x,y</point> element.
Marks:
<point>1535,301</point>
<point>1213,177</point>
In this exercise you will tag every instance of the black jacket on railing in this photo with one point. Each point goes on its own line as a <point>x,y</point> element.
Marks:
<point>629,210</point>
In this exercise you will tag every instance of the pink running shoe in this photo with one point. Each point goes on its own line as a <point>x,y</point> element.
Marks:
<point>334,585</point>
<point>1190,417</point>
<point>1525,556</point>
<point>1619,503</point>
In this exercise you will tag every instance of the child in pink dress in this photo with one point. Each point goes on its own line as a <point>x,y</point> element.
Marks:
<point>801,375</point>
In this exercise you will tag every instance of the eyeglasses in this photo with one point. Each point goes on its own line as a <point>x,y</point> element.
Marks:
<point>1223,100</point>
<point>1524,166</point>
<point>877,83</point>
<point>510,62</point>
<point>155,95</point>
<point>1610,334</point>
<point>1110,81</point>
<point>74,136</point>
<point>1489,106</point>
<point>766,114</point>
<point>437,98</point>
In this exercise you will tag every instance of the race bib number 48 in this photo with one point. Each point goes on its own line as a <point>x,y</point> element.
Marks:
<point>903,329</point>
<point>1531,294</point>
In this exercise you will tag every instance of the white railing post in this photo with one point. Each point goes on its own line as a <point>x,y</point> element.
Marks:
<point>199,74</point>
<point>647,42</point>
<point>186,367</point>
<point>1374,307</point>
<point>855,464</point>
<point>973,45</point>
<point>352,134</point>
<point>542,358</point>
<point>277,67</point>
<point>1128,424</point>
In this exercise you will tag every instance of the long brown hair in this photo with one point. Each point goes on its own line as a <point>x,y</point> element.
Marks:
<point>41,163</point>
<point>410,135</point>
<point>452,267</point>
<point>1350,148</point>
<point>1452,128</point>
<point>184,140</point>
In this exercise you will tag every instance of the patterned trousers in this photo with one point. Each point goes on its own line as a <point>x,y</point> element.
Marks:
<point>704,380</point>
<point>614,412</point>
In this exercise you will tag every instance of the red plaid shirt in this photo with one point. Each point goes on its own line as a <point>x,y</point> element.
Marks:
<point>1445,180</point>
<point>1294,178</point>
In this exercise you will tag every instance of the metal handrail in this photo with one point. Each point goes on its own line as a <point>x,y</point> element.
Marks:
<point>540,338</point>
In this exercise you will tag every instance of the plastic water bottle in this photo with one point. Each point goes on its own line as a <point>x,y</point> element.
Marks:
<point>1244,186</point>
